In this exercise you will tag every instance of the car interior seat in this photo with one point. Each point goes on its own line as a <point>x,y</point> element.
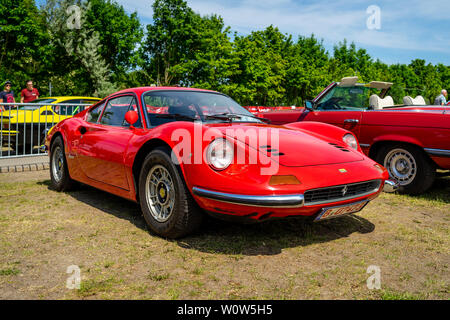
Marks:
<point>418,101</point>
<point>376,103</point>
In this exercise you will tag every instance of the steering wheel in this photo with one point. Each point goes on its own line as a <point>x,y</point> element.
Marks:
<point>333,103</point>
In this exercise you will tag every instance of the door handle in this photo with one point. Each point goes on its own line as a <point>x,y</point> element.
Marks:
<point>352,121</point>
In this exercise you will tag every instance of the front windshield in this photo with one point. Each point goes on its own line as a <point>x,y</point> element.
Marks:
<point>172,105</point>
<point>32,107</point>
<point>346,98</point>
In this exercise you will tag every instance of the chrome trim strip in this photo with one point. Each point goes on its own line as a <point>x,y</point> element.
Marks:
<point>344,198</point>
<point>390,186</point>
<point>363,145</point>
<point>281,201</point>
<point>438,152</point>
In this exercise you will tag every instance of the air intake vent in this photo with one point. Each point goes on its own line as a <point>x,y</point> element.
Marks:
<point>339,147</point>
<point>340,193</point>
<point>270,151</point>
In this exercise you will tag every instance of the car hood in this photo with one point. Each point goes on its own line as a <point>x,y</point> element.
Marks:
<point>295,148</point>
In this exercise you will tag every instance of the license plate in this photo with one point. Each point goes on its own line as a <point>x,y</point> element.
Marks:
<point>329,213</point>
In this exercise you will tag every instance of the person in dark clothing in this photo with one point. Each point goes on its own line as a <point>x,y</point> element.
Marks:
<point>7,95</point>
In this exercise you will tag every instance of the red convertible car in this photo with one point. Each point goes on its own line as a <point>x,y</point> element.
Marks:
<point>411,140</point>
<point>180,152</point>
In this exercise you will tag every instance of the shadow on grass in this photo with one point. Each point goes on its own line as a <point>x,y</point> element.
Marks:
<point>271,237</point>
<point>215,236</point>
<point>106,202</point>
<point>440,191</point>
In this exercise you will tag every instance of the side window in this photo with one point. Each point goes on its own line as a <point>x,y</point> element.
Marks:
<point>94,113</point>
<point>114,114</point>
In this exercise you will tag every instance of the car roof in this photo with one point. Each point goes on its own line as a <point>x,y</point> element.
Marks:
<point>71,97</point>
<point>140,90</point>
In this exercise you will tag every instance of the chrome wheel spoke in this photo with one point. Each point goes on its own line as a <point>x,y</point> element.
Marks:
<point>160,193</point>
<point>401,166</point>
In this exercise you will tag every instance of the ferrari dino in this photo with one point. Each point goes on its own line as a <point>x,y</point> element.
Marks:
<point>181,152</point>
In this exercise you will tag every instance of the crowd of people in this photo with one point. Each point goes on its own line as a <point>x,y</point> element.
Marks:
<point>28,94</point>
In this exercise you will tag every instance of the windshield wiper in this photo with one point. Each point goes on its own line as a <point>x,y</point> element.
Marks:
<point>223,116</point>
<point>176,116</point>
<point>231,116</point>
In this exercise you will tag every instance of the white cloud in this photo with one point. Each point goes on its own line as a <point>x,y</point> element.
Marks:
<point>405,25</point>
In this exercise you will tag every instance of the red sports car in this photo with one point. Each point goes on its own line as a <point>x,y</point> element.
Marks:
<point>177,151</point>
<point>411,140</point>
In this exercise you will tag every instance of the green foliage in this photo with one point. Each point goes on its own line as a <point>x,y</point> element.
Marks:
<point>181,47</point>
<point>23,42</point>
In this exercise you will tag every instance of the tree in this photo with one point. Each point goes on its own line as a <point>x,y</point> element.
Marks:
<point>171,42</point>
<point>79,48</point>
<point>119,34</point>
<point>24,42</point>
<point>262,67</point>
<point>307,72</point>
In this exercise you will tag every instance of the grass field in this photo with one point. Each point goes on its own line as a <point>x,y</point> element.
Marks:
<point>43,232</point>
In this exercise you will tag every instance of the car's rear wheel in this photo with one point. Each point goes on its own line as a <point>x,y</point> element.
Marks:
<point>59,172</point>
<point>409,166</point>
<point>167,206</point>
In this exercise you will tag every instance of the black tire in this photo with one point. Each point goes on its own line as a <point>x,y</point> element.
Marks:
<point>59,175</point>
<point>415,181</point>
<point>181,218</point>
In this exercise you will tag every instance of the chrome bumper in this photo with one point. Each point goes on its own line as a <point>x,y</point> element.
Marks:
<point>282,201</point>
<point>390,186</point>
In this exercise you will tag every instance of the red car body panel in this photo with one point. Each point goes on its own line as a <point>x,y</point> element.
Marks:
<point>425,126</point>
<point>104,158</point>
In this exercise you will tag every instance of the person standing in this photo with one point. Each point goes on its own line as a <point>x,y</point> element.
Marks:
<point>441,99</point>
<point>29,93</point>
<point>7,95</point>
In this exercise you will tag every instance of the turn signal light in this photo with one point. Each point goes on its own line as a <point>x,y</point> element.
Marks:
<point>283,180</point>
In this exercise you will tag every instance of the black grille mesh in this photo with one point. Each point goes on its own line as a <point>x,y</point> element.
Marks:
<point>336,193</point>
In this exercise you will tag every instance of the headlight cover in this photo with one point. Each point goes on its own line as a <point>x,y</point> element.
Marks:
<point>351,141</point>
<point>220,154</point>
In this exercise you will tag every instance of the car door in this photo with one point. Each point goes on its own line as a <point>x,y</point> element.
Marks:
<point>342,107</point>
<point>103,143</point>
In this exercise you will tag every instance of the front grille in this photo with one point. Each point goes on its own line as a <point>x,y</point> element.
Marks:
<point>339,193</point>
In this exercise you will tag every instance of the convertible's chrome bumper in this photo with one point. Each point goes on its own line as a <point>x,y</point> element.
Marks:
<point>390,186</point>
<point>281,201</point>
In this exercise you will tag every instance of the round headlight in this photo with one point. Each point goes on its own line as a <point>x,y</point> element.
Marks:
<point>220,154</point>
<point>351,141</point>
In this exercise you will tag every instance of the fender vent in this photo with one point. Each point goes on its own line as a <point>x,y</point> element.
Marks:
<point>269,150</point>
<point>339,147</point>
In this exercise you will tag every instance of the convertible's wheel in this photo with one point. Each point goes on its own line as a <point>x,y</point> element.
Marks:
<point>59,173</point>
<point>409,166</point>
<point>167,206</point>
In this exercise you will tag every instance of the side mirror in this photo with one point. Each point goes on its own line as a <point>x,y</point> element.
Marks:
<point>309,105</point>
<point>131,117</point>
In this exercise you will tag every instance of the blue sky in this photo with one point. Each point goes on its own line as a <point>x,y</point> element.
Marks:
<point>409,29</point>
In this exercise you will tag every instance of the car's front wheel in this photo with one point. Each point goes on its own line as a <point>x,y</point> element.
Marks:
<point>409,166</point>
<point>167,206</point>
<point>59,173</point>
